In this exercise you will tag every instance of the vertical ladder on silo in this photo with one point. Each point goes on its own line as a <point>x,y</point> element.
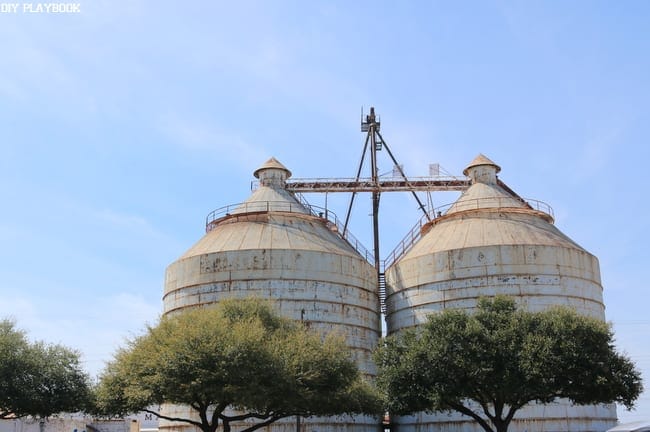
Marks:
<point>381,283</point>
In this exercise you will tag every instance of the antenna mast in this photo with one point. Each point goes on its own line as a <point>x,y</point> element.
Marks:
<point>375,185</point>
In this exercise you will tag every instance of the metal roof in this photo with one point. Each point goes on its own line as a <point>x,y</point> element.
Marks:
<point>272,163</point>
<point>639,426</point>
<point>269,198</point>
<point>484,196</point>
<point>487,214</point>
<point>481,159</point>
<point>272,218</point>
<point>271,231</point>
<point>489,229</point>
<point>485,191</point>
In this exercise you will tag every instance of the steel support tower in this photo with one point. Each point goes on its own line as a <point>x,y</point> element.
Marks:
<point>374,142</point>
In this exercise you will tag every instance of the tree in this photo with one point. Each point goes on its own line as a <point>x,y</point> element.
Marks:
<point>232,363</point>
<point>502,359</point>
<point>38,379</point>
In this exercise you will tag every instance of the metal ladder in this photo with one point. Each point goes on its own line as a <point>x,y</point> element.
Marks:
<point>381,283</point>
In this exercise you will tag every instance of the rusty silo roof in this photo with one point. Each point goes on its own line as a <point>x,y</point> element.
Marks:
<point>487,214</point>
<point>271,218</point>
<point>481,159</point>
<point>272,163</point>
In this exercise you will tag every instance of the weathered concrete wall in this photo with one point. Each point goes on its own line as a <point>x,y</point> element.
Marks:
<point>488,243</point>
<point>553,417</point>
<point>344,423</point>
<point>79,422</point>
<point>338,295</point>
<point>47,425</point>
<point>274,248</point>
<point>537,276</point>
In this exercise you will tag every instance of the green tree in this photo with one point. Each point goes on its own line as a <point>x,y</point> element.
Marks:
<point>502,358</point>
<point>38,379</point>
<point>235,362</point>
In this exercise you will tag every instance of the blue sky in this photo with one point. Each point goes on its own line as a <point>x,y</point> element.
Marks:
<point>122,126</point>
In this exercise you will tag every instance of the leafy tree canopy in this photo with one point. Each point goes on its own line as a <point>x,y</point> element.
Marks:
<point>503,358</point>
<point>38,379</point>
<point>239,355</point>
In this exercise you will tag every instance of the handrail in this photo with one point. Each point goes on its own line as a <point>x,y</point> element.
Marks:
<point>249,207</point>
<point>384,177</point>
<point>407,242</point>
<point>345,234</point>
<point>303,207</point>
<point>501,202</point>
<point>471,204</point>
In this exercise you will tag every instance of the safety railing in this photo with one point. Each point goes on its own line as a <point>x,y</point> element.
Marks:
<point>334,220</point>
<point>471,204</point>
<point>495,203</point>
<point>386,183</point>
<point>303,207</point>
<point>251,207</point>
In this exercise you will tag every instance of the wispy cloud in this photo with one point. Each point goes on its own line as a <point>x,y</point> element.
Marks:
<point>122,316</point>
<point>196,136</point>
<point>596,154</point>
<point>97,331</point>
<point>31,67</point>
<point>129,223</point>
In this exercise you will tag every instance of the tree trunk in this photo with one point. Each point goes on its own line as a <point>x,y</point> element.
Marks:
<point>501,425</point>
<point>209,427</point>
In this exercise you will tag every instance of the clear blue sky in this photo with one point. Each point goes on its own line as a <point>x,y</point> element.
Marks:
<point>123,125</point>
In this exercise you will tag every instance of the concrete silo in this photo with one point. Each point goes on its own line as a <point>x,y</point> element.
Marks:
<point>491,242</point>
<point>272,246</point>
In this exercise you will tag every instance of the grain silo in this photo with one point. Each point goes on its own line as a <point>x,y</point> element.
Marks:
<point>490,241</point>
<point>273,246</point>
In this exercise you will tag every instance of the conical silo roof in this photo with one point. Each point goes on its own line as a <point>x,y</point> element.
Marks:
<point>271,194</point>
<point>270,164</point>
<point>485,191</point>
<point>271,231</point>
<point>271,218</point>
<point>489,214</point>
<point>479,160</point>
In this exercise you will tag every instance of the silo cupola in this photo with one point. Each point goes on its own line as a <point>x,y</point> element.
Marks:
<point>272,173</point>
<point>482,170</point>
